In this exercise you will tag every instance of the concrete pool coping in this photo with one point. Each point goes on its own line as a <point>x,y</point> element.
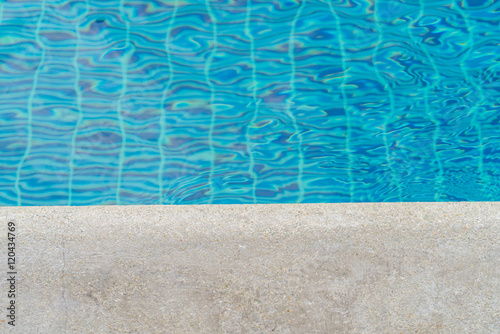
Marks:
<point>285,268</point>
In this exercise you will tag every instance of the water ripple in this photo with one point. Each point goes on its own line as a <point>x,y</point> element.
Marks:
<point>248,101</point>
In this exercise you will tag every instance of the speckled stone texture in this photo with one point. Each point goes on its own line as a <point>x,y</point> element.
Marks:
<point>314,268</point>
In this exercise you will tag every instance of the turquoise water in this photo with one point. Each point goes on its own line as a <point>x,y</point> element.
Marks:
<point>197,102</point>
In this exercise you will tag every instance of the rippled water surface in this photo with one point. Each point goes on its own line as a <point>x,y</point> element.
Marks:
<point>219,101</point>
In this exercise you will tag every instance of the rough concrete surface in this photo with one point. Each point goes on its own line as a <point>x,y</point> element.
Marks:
<point>312,268</point>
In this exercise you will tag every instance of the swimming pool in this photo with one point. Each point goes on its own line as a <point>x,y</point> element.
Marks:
<point>209,102</point>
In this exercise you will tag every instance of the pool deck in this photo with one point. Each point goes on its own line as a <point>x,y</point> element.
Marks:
<point>311,268</point>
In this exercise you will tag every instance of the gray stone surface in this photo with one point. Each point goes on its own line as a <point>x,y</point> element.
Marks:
<point>326,268</point>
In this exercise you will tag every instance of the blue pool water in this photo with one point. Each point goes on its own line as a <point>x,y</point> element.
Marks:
<point>246,101</point>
